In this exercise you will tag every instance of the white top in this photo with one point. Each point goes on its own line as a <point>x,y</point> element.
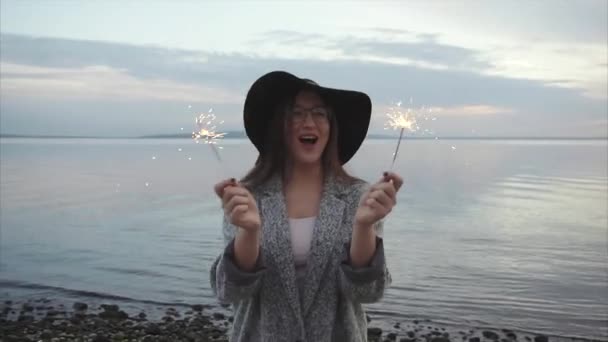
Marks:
<point>301,238</point>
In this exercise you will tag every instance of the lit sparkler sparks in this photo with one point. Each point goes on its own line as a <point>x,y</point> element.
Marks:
<point>207,132</point>
<point>401,120</point>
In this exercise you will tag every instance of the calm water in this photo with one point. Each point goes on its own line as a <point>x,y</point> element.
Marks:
<point>509,234</point>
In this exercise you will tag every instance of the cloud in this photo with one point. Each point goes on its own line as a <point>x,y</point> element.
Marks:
<point>545,61</point>
<point>392,45</point>
<point>287,37</point>
<point>151,81</point>
<point>436,121</point>
<point>102,82</point>
<point>470,110</point>
<point>146,62</point>
<point>389,30</point>
<point>427,52</point>
<point>434,113</point>
<point>565,21</point>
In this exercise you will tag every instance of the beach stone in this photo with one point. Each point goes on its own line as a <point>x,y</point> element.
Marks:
<point>197,307</point>
<point>78,306</point>
<point>109,307</point>
<point>511,335</point>
<point>153,329</point>
<point>375,332</point>
<point>407,340</point>
<point>25,318</point>
<point>397,325</point>
<point>411,334</point>
<point>51,313</point>
<point>142,315</point>
<point>27,307</point>
<point>368,318</point>
<point>116,315</point>
<point>218,315</point>
<point>172,312</point>
<point>191,336</point>
<point>474,339</point>
<point>46,335</point>
<point>528,338</point>
<point>101,338</point>
<point>215,333</point>
<point>492,335</point>
<point>415,322</point>
<point>440,339</point>
<point>391,337</point>
<point>541,338</point>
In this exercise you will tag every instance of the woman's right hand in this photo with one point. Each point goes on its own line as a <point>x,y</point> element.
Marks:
<point>239,205</point>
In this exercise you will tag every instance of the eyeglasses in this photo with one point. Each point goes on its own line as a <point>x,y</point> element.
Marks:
<point>319,115</point>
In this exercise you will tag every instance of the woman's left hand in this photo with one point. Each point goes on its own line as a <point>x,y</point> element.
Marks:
<point>379,200</point>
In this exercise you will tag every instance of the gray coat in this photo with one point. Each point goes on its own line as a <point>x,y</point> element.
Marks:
<point>267,303</point>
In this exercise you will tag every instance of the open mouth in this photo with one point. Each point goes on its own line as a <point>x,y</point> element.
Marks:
<point>308,139</point>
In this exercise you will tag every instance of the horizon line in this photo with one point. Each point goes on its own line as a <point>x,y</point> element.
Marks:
<point>369,136</point>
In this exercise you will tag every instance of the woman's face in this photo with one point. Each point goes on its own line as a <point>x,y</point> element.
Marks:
<point>308,126</point>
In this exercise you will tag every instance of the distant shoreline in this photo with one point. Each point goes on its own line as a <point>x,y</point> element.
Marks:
<point>241,135</point>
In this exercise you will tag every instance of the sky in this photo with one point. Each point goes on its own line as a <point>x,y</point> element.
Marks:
<point>131,68</point>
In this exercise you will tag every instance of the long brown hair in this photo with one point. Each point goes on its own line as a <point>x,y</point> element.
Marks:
<point>275,156</point>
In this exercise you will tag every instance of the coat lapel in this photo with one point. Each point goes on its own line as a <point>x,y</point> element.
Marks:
<point>277,237</point>
<point>326,232</point>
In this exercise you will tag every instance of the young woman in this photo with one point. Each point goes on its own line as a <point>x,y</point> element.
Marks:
<point>303,238</point>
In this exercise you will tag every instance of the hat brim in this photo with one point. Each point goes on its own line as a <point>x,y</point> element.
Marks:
<point>352,110</point>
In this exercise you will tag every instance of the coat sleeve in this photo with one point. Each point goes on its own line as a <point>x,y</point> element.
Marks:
<point>364,284</point>
<point>229,283</point>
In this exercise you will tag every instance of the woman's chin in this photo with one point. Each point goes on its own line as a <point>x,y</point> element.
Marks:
<point>308,159</point>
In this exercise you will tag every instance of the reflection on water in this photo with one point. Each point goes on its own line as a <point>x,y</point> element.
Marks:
<point>492,233</point>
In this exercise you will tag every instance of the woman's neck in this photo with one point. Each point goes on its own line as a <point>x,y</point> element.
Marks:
<point>303,188</point>
<point>305,174</point>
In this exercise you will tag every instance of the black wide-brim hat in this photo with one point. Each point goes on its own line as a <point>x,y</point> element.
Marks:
<point>352,110</point>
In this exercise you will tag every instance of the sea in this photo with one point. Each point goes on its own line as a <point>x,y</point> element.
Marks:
<point>506,233</point>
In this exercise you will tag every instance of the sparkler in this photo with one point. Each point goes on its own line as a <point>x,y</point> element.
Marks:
<point>207,132</point>
<point>400,120</point>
